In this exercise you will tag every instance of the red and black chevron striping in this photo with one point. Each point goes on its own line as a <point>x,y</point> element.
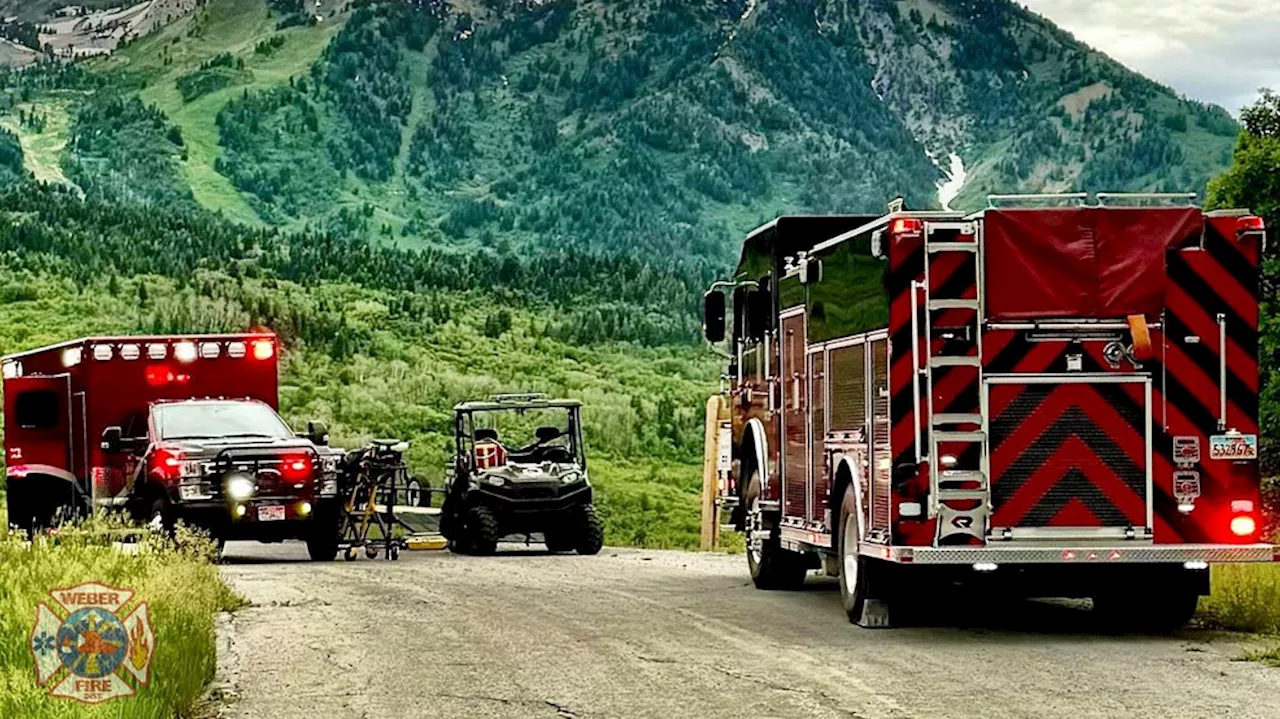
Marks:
<point>1068,455</point>
<point>1212,292</point>
<point>906,266</point>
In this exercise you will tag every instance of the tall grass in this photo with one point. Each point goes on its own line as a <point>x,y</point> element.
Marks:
<point>1246,597</point>
<point>178,580</point>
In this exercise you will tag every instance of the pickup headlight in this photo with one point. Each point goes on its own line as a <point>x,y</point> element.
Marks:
<point>239,488</point>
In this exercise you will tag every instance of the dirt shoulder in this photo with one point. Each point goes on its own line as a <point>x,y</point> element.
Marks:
<point>658,634</point>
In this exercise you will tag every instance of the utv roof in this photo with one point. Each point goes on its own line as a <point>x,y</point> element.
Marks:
<point>517,401</point>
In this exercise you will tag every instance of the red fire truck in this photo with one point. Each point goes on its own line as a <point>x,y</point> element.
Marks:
<point>1055,396</point>
<point>166,428</point>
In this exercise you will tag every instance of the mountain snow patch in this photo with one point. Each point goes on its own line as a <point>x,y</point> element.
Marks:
<point>948,191</point>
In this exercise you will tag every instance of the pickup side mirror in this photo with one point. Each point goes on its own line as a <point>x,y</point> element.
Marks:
<point>713,314</point>
<point>318,433</point>
<point>112,440</point>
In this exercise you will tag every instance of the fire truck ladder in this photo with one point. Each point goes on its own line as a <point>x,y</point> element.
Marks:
<point>959,491</point>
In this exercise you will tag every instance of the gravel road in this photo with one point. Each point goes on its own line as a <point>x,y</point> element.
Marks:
<point>635,633</point>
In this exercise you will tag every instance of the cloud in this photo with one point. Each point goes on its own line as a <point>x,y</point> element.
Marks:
<point>1218,51</point>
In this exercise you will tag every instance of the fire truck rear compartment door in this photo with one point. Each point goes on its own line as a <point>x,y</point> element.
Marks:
<point>1070,455</point>
<point>37,437</point>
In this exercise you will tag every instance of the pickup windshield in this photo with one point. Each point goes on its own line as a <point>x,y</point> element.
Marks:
<point>215,420</point>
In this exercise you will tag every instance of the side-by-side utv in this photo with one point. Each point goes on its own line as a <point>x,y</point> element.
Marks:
<point>519,469</point>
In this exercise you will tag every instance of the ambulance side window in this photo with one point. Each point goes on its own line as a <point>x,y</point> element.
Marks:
<point>38,409</point>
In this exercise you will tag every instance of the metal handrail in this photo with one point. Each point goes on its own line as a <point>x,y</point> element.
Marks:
<point>1078,197</point>
<point>1105,197</point>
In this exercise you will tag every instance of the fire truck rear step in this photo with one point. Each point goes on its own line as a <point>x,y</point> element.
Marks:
<point>961,418</point>
<point>953,304</point>
<point>945,361</point>
<point>961,437</point>
<point>953,247</point>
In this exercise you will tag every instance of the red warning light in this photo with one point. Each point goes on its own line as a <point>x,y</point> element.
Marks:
<point>263,350</point>
<point>908,226</point>
<point>1250,223</point>
<point>159,375</point>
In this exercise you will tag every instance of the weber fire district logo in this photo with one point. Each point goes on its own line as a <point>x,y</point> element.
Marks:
<point>86,651</point>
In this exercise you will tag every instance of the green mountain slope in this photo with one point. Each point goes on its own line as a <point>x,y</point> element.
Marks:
<point>662,128</point>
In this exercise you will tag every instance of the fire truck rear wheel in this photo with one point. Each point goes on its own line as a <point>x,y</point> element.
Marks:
<point>1162,611</point>
<point>771,566</point>
<point>482,530</point>
<point>854,568</point>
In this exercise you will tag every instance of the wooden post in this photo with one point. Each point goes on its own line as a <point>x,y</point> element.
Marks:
<point>710,476</point>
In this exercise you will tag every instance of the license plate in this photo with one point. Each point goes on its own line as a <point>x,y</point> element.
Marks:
<point>1233,446</point>
<point>271,513</point>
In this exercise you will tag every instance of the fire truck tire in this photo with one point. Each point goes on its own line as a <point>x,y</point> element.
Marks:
<point>482,531</point>
<point>855,569</point>
<point>590,531</point>
<point>1165,610</point>
<point>772,567</point>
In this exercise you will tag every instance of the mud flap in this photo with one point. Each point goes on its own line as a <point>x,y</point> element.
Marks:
<point>875,614</point>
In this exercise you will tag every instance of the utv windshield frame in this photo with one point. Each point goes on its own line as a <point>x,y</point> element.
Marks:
<point>465,424</point>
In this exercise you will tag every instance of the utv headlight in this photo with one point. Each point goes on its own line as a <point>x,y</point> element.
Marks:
<point>239,488</point>
<point>496,480</point>
<point>571,477</point>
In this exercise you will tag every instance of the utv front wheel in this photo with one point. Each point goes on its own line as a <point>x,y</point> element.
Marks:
<point>482,531</point>
<point>590,531</point>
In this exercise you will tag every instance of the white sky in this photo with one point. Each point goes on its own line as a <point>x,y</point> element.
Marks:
<point>1218,51</point>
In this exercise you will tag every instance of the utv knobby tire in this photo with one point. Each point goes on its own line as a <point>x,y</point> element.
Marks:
<point>482,531</point>
<point>590,531</point>
<point>772,567</point>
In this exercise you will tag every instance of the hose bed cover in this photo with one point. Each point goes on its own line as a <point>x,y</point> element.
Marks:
<point>1082,262</point>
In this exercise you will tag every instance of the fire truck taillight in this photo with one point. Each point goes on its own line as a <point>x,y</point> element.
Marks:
<point>263,350</point>
<point>1243,525</point>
